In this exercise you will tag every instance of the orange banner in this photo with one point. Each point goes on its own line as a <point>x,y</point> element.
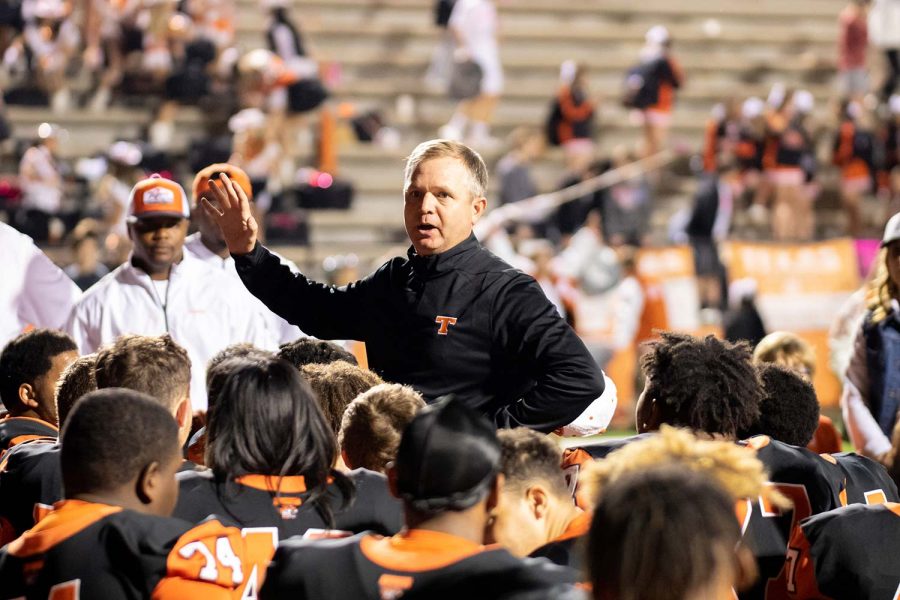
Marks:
<point>800,287</point>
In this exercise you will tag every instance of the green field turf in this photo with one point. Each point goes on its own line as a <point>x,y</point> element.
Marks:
<point>620,433</point>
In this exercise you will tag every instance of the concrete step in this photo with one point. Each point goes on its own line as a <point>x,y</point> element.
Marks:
<point>655,10</point>
<point>343,32</point>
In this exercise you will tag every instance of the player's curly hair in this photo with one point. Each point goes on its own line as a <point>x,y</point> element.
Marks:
<point>336,385</point>
<point>310,351</point>
<point>789,411</point>
<point>734,467</point>
<point>373,423</point>
<point>707,384</point>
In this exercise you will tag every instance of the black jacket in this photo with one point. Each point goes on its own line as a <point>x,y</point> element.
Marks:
<point>462,322</point>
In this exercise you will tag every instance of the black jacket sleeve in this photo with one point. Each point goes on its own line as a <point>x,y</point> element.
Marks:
<point>324,311</point>
<point>532,334</point>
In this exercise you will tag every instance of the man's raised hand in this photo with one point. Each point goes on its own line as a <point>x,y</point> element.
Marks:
<point>233,214</point>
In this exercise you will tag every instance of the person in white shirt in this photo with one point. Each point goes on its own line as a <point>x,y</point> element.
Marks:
<point>34,291</point>
<point>42,182</point>
<point>161,289</point>
<point>208,245</point>
<point>473,24</point>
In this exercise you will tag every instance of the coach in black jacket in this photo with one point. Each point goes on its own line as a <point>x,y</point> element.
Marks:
<point>451,318</point>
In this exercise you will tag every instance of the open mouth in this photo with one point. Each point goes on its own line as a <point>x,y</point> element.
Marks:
<point>426,227</point>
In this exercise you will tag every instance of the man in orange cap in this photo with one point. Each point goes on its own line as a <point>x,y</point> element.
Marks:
<point>161,289</point>
<point>208,244</point>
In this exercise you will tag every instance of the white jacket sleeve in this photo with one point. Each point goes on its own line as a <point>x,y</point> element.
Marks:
<point>82,331</point>
<point>48,295</point>
<point>865,433</point>
<point>863,429</point>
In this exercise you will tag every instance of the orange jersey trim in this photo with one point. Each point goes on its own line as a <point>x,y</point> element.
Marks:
<point>292,484</point>
<point>577,527</point>
<point>68,518</point>
<point>417,550</point>
<point>826,438</point>
<point>35,419</point>
<point>894,507</point>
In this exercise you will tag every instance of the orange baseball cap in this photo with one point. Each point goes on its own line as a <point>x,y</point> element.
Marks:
<point>157,197</point>
<point>236,174</point>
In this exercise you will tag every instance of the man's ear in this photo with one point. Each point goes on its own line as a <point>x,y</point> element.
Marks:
<point>27,396</point>
<point>183,414</point>
<point>149,483</point>
<point>479,205</point>
<point>391,472</point>
<point>538,501</point>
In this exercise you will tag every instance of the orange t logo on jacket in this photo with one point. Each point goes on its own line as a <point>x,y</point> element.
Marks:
<point>445,323</point>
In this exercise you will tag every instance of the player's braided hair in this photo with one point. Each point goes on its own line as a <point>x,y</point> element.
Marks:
<point>705,384</point>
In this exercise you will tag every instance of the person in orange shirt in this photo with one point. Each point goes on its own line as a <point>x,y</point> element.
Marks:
<point>722,134</point>
<point>572,119</point>
<point>31,365</point>
<point>855,151</point>
<point>662,79</point>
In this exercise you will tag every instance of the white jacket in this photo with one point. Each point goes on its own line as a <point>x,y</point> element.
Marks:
<point>204,312</point>
<point>884,24</point>
<point>33,290</point>
<point>282,331</point>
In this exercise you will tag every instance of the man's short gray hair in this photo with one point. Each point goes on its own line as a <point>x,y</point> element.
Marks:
<point>471,160</point>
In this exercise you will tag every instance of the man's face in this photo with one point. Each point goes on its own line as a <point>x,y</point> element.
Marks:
<point>439,210</point>
<point>45,386</point>
<point>158,241</point>
<point>209,231</point>
<point>514,525</point>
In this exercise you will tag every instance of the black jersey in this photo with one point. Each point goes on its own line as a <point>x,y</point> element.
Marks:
<point>88,550</point>
<point>865,480</point>
<point>568,549</point>
<point>16,430</point>
<point>812,483</point>
<point>575,458</point>
<point>416,564</point>
<point>30,484</point>
<point>848,553</point>
<point>261,501</point>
